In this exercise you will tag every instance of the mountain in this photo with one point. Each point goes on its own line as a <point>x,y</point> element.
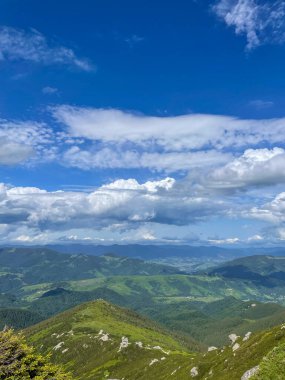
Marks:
<point>151,251</point>
<point>268,271</point>
<point>98,340</point>
<point>21,266</point>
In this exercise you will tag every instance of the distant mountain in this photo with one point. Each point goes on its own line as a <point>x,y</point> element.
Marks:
<point>265,270</point>
<point>151,252</point>
<point>98,340</point>
<point>21,266</point>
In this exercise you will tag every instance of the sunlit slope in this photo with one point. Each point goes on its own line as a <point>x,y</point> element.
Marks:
<point>98,340</point>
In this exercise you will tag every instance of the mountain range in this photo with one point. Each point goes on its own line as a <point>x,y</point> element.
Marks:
<point>116,317</point>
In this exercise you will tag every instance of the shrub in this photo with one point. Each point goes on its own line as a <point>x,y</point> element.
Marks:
<point>20,361</point>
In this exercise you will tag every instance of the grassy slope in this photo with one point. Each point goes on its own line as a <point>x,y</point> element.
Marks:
<point>227,362</point>
<point>211,323</point>
<point>88,357</point>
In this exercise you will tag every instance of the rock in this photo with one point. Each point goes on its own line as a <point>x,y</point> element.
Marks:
<point>58,346</point>
<point>247,336</point>
<point>124,343</point>
<point>253,305</point>
<point>104,337</point>
<point>194,372</point>
<point>153,361</point>
<point>251,372</point>
<point>236,346</point>
<point>212,348</point>
<point>233,338</point>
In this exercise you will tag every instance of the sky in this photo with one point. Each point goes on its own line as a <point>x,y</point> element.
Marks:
<point>142,122</point>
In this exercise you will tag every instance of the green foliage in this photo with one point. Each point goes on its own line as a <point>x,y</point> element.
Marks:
<point>272,366</point>
<point>18,318</point>
<point>20,361</point>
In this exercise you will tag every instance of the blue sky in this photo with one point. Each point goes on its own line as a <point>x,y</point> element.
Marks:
<point>140,122</point>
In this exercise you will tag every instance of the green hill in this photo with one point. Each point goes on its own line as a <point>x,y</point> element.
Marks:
<point>268,271</point>
<point>98,340</point>
<point>210,323</point>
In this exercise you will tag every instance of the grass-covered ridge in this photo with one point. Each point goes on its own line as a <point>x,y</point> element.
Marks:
<point>98,340</point>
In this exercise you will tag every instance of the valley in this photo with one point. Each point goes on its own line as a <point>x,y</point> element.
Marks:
<point>82,308</point>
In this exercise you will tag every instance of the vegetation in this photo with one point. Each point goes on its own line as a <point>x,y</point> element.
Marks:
<point>88,341</point>
<point>98,340</point>
<point>20,361</point>
<point>22,266</point>
<point>196,311</point>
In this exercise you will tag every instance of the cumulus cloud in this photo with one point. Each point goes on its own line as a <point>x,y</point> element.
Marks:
<point>119,205</point>
<point>255,167</point>
<point>273,211</point>
<point>17,44</point>
<point>260,21</point>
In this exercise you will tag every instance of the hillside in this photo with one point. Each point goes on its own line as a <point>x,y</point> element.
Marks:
<point>98,340</point>
<point>262,353</point>
<point>268,271</point>
<point>210,323</point>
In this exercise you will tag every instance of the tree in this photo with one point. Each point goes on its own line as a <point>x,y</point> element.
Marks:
<point>20,361</point>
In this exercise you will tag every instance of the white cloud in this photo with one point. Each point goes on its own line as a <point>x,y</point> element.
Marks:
<point>256,167</point>
<point>273,211</point>
<point>255,238</point>
<point>16,44</point>
<point>20,141</point>
<point>260,21</point>
<point>224,241</point>
<point>177,133</point>
<point>13,153</point>
<point>86,159</point>
<point>119,205</point>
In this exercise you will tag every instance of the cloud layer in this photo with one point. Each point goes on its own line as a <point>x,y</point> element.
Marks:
<point>220,166</point>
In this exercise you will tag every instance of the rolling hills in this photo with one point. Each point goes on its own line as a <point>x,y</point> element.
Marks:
<point>22,266</point>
